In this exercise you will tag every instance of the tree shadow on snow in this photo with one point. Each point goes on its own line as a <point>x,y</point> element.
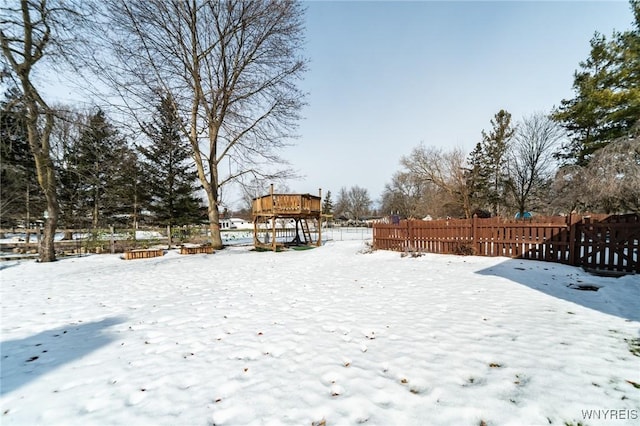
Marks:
<point>27,359</point>
<point>5,264</point>
<point>614,296</point>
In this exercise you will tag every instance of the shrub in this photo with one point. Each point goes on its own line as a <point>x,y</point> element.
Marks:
<point>464,249</point>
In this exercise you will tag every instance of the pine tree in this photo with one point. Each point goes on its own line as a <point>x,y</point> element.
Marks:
<point>327,204</point>
<point>487,179</point>
<point>477,181</point>
<point>20,198</point>
<point>607,97</point>
<point>170,172</point>
<point>126,190</point>
<point>102,161</point>
<point>66,134</point>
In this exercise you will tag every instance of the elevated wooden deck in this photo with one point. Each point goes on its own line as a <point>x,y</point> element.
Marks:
<point>273,215</point>
<point>287,205</point>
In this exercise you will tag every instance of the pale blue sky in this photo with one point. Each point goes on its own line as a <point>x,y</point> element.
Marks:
<point>385,76</point>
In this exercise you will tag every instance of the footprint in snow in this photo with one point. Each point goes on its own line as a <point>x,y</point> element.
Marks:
<point>136,397</point>
<point>336,390</point>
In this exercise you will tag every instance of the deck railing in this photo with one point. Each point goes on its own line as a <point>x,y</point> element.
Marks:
<point>283,204</point>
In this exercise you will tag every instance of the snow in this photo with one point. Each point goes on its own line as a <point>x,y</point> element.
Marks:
<point>333,335</point>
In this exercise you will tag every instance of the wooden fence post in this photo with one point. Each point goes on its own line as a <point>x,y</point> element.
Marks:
<point>407,238</point>
<point>573,245</point>
<point>112,241</point>
<point>38,240</point>
<point>319,243</point>
<point>474,235</point>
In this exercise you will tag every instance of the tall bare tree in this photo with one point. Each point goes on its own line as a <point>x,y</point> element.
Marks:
<point>31,32</point>
<point>530,162</point>
<point>613,175</point>
<point>231,66</point>
<point>359,202</point>
<point>405,195</point>
<point>568,191</point>
<point>353,203</point>
<point>444,169</point>
<point>608,184</point>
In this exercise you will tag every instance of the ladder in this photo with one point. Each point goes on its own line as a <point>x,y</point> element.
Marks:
<point>305,231</point>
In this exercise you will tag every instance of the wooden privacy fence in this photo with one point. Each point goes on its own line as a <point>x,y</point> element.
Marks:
<point>602,242</point>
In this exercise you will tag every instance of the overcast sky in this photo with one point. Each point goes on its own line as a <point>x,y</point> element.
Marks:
<point>386,76</point>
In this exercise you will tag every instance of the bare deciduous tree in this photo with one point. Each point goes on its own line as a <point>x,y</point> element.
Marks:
<point>353,203</point>
<point>31,33</point>
<point>609,183</point>
<point>359,202</point>
<point>404,196</point>
<point>530,159</point>
<point>232,68</point>
<point>446,170</point>
<point>613,176</point>
<point>568,192</point>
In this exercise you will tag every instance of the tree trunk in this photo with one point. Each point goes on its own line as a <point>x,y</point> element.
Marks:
<point>39,143</point>
<point>39,117</point>
<point>214,225</point>
<point>47,249</point>
<point>46,178</point>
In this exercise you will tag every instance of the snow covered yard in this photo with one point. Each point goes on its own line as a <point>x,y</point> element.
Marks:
<point>324,336</point>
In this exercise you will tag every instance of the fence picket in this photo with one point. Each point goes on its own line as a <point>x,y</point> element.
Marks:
<point>598,241</point>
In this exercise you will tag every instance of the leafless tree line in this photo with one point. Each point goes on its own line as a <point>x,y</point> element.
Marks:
<point>440,183</point>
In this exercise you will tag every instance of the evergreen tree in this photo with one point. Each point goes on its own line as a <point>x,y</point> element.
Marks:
<point>487,177</point>
<point>102,161</point>
<point>607,94</point>
<point>20,198</point>
<point>66,135</point>
<point>126,191</point>
<point>170,172</point>
<point>477,181</point>
<point>327,204</point>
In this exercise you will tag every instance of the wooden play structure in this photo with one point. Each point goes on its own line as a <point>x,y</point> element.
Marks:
<point>284,220</point>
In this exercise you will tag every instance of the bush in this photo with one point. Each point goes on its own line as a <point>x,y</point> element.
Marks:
<point>464,249</point>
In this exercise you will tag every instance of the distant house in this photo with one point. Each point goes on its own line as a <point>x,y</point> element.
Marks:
<point>235,223</point>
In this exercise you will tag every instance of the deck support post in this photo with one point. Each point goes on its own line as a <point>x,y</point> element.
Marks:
<point>319,242</point>
<point>273,222</point>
